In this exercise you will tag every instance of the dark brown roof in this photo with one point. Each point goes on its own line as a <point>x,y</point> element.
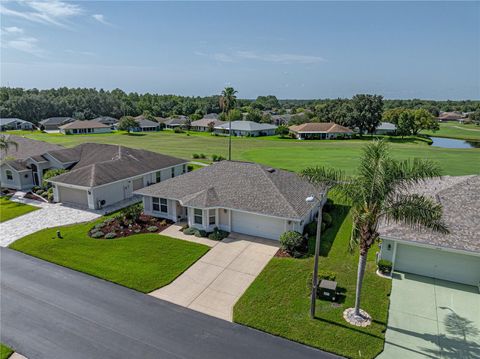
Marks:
<point>83,124</point>
<point>242,186</point>
<point>99,164</point>
<point>326,127</point>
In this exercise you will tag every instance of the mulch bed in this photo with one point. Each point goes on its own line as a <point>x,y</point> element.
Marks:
<point>283,254</point>
<point>35,197</point>
<point>123,230</point>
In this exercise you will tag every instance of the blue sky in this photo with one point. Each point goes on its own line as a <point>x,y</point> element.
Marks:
<point>289,49</point>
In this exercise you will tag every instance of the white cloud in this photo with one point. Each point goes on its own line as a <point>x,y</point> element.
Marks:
<point>25,44</point>
<point>275,58</point>
<point>77,52</point>
<point>101,18</point>
<point>13,30</point>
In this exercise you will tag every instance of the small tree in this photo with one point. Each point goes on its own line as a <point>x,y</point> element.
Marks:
<point>211,126</point>
<point>127,123</point>
<point>282,131</point>
<point>50,174</point>
<point>291,242</point>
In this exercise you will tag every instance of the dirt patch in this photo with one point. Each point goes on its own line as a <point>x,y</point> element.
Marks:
<point>283,254</point>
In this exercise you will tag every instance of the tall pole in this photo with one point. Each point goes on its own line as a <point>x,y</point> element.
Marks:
<point>313,297</point>
<point>229,138</point>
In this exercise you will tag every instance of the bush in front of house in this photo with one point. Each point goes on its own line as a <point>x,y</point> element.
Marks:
<point>178,130</point>
<point>190,231</point>
<point>152,228</point>
<point>328,206</point>
<point>110,235</point>
<point>218,235</point>
<point>50,197</point>
<point>384,266</point>
<point>39,192</point>
<point>51,173</point>
<point>292,242</point>
<point>327,219</point>
<point>97,234</point>
<point>99,226</point>
<point>132,213</point>
<point>311,228</point>
<point>217,158</point>
<point>200,233</point>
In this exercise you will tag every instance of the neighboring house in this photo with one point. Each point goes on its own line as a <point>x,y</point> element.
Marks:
<point>455,256</point>
<point>15,124</point>
<point>319,131</point>
<point>204,124</point>
<point>145,125</point>
<point>281,120</point>
<point>386,128</point>
<point>451,116</point>
<point>53,123</point>
<point>247,128</point>
<point>107,120</point>
<point>238,197</point>
<point>84,127</point>
<point>22,167</point>
<point>176,122</point>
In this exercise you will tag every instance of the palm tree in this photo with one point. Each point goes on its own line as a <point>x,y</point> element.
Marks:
<point>227,103</point>
<point>380,192</point>
<point>6,143</point>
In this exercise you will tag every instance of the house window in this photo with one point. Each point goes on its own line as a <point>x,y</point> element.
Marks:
<point>211,216</point>
<point>158,176</point>
<point>197,216</point>
<point>156,204</point>
<point>173,172</point>
<point>163,205</point>
<point>9,175</point>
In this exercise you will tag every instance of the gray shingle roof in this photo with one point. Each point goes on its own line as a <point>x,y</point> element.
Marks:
<point>5,121</point>
<point>56,120</point>
<point>205,121</point>
<point>107,120</point>
<point>248,126</point>
<point>240,185</point>
<point>27,148</point>
<point>147,123</point>
<point>387,126</point>
<point>77,124</point>
<point>99,164</point>
<point>460,198</point>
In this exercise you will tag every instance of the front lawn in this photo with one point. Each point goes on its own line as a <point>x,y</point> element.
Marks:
<point>143,262</point>
<point>278,301</point>
<point>9,209</point>
<point>5,352</point>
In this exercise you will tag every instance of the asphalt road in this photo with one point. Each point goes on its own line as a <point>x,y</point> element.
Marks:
<point>48,311</point>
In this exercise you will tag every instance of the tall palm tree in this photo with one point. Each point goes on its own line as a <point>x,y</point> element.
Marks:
<point>6,143</point>
<point>227,103</point>
<point>380,192</point>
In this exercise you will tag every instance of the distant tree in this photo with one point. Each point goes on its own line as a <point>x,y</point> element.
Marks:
<point>148,115</point>
<point>127,123</point>
<point>6,143</point>
<point>254,115</point>
<point>235,115</point>
<point>188,124</point>
<point>282,131</point>
<point>211,126</point>
<point>410,122</point>
<point>475,117</point>
<point>366,112</point>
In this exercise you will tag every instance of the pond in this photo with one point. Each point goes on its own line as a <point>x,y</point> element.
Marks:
<point>453,143</point>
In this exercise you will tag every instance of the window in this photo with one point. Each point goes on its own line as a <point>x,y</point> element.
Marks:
<point>197,216</point>
<point>156,204</point>
<point>211,216</point>
<point>9,175</point>
<point>184,168</point>
<point>173,172</point>
<point>158,176</point>
<point>163,205</point>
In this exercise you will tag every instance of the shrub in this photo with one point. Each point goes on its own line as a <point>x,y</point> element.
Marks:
<point>51,173</point>
<point>163,223</point>
<point>200,233</point>
<point>35,189</point>
<point>110,235</point>
<point>328,275</point>
<point>99,226</point>
<point>384,266</point>
<point>97,234</point>
<point>311,228</point>
<point>50,197</point>
<point>218,235</point>
<point>190,231</point>
<point>50,190</point>
<point>202,155</point>
<point>108,221</point>
<point>291,241</point>
<point>184,227</point>
<point>327,219</point>
<point>214,158</point>
<point>196,155</point>
<point>39,192</point>
<point>189,168</point>
<point>152,228</point>
<point>178,130</point>
<point>45,194</point>
<point>133,212</point>
<point>323,227</point>
<point>328,206</point>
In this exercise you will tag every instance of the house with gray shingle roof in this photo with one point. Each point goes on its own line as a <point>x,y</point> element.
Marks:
<point>15,124</point>
<point>454,256</point>
<point>246,128</point>
<point>79,127</point>
<point>53,123</point>
<point>238,197</point>
<point>205,124</point>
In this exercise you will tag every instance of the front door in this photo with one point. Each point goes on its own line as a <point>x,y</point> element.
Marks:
<point>36,180</point>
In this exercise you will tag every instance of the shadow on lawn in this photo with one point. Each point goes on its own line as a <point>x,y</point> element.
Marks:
<point>339,214</point>
<point>347,326</point>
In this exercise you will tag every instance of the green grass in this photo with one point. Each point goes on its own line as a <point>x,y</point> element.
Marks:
<point>143,262</point>
<point>457,130</point>
<point>5,351</point>
<point>9,209</point>
<point>272,151</point>
<point>278,300</point>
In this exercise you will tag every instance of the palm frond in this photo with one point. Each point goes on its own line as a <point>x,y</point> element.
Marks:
<point>323,176</point>
<point>409,172</point>
<point>416,211</point>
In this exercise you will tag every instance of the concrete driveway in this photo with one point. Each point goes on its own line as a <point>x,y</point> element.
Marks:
<point>217,280</point>
<point>431,318</point>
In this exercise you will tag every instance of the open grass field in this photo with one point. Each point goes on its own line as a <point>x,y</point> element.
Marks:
<point>278,300</point>
<point>283,153</point>
<point>5,352</point>
<point>9,209</point>
<point>457,130</point>
<point>143,262</point>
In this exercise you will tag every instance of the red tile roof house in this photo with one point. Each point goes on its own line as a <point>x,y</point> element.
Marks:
<point>319,131</point>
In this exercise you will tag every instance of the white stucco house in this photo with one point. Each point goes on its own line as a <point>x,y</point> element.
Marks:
<point>12,123</point>
<point>84,127</point>
<point>454,256</point>
<point>237,197</point>
<point>246,128</point>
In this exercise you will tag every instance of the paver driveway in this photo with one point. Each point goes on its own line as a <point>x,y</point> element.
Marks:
<point>217,280</point>
<point>431,318</point>
<point>50,215</point>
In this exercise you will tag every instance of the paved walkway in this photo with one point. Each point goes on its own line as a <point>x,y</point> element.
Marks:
<point>217,280</point>
<point>175,231</point>
<point>432,318</point>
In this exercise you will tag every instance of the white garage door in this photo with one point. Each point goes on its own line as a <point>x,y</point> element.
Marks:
<point>73,195</point>
<point>436,263</point>
<point>257,225</point>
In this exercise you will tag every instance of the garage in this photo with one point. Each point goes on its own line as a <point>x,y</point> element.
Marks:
<point>257,225</point>
<point>438,263</point>
<point>73,195</point>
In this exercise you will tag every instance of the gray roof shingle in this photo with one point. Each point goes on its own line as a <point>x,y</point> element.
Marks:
<point>243,186</point>
<point>247,126</point>
<point>460,198</point>
<point>26,148</point>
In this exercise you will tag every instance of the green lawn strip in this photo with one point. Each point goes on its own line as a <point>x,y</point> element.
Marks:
<point>272,151</point>
<point>143,262</point>
<point>9,209</point>
<point>5,352</point>
<point>278,300</point>
<point>456,130</point>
